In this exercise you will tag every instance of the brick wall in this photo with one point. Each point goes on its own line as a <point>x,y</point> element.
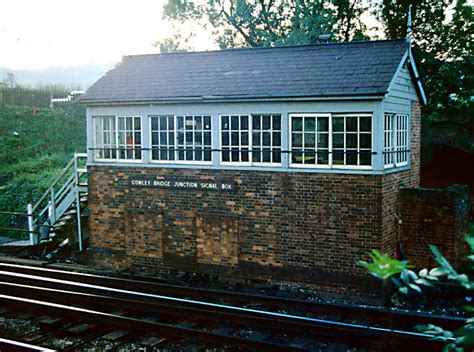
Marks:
<point>434,216</point>
<point>275,225</point>
<point>392,183</point>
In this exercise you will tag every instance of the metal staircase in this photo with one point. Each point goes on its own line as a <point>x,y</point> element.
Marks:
<point>60,203</point>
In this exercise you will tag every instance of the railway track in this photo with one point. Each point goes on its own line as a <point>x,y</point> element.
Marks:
<point>206,316</point>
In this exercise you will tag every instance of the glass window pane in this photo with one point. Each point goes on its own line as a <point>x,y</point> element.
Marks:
<point>351,140</point>
<point>351,157</point>
<point>277,156</point>
<point>234,155</point>
<point>225,154</point>
<point>189,122</point>
<point>256,155</point>
<point>323,140</point>
<point>225,122</point>
<point>225,138</point>
<point>351,123</point>
<point>365,141</point>
<point>323,124</point>
<point>266,138</point>
<point>198,138</point>
<point>154,138</point>
<point>323,157</point>
<point>207,122</point>
<point>171,122</point>
<point>309,140</point>
<point>365,159</point>
<point>154,123</point>
<point>256,139</point>
<point>366,123</point>
<point>189,138</point>
<point>244,138</point>
<point>338,124</point>
<point>180,123</point>
<point>244,123</point>
<point>266,122</point>
<point>245,155</point>
<point>234,125</point>
<point>256,122</point>
<point>137,123</point>
<point>338,140</point>
<point>235,138</point>
<point>296,156</point>
<point>338,157</point>
<point>138,138</point>
<point>198,122</point>
<point>163,138</point>
<point>129,123</point>
<point>297,140</point>
<point>266,156</point>
<point>277,139</point>
<point>207,138</point>
<point>309,156</point>
<point>297,124</point>
<point>276,122</point>
<point>309,124</point>
<point>180,138</point>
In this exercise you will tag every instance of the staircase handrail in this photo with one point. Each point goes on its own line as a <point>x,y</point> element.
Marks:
<point>56,181</point>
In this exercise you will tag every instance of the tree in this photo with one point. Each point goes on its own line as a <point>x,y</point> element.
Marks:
<point>442,32</point>
<point>256,23</point>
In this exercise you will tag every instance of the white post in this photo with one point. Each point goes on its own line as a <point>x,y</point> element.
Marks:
<point>29,210</point>
<point>78,204</point>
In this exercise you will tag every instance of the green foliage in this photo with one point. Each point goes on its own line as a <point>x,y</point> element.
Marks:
<point>409,282</point>
<point>443,49</point>
<point>382,266</point>
<point>255,23</point>
<point>34,147</point>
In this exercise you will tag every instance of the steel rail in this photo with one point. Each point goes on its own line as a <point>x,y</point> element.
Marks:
<point>317,323</point>
<point>14,346</point>
<point>140,324</point>
<point>183,291</point>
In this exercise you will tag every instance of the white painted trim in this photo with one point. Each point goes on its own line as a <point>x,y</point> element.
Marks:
<point>408,55</point>
<point>417,78</point>
<point>235,100</point>
<point>254,168</point>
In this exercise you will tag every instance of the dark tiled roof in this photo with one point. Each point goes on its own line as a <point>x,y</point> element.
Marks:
<point>357,68</point>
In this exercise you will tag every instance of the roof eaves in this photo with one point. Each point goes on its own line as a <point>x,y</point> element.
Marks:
<point>210,99</point>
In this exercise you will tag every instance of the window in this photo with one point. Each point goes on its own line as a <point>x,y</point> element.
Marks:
<point>266,139</point>
<point>310,139</point>
<point>352,140</point>
<point>247,139</point>
<point>118,137</point>
<point>162,138</point>
<point>396,150</point>
<point>181,138</point>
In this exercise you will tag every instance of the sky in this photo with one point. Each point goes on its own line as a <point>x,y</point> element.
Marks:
<point>37,34</point>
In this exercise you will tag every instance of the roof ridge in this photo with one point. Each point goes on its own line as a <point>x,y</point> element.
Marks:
<point>313,45</point>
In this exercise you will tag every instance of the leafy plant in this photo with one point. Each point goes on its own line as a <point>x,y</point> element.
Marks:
<point>408,282</point>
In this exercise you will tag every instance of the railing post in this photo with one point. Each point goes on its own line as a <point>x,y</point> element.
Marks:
<point>78,203</point>
<point>53,207</point>
<point>31,228</point>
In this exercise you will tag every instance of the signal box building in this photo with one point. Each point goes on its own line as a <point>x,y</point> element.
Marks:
<point>282,164</point>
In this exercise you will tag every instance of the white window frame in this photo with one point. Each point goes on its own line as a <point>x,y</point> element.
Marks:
<point>290,142</point>
<point>400,139</point>
<point>330,164</point>
<point>175,144</point>
<point>116,138</point>
<point>250,145</point>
